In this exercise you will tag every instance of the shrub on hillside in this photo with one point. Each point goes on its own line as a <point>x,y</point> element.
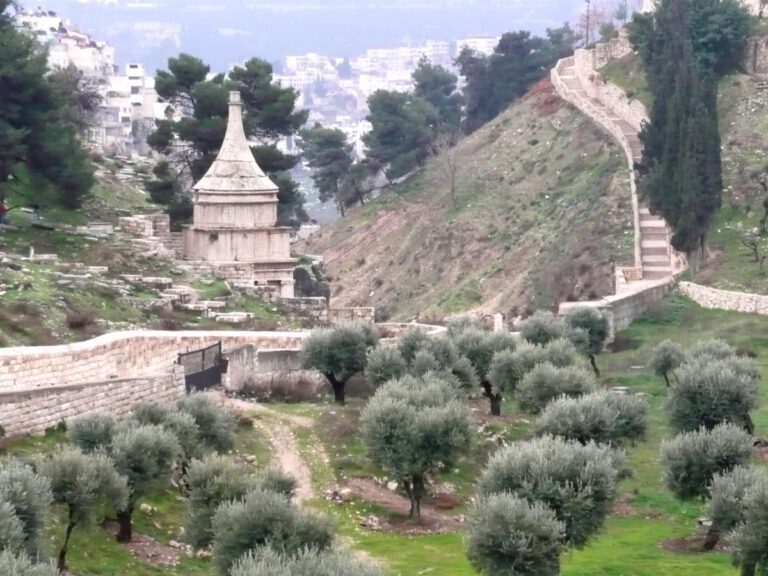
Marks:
<point>711,350</point>
<point>692,459</point>
<point>667,357</point>
<point>546,382</point>
<point>725,507</point>
<point>602,417</point>
<point>29,496</point>
<point>384,363</point>
<point>20,565</point>
<point>181,424</point>
<point>542,328</point>
<point>750,537</point>
<point>578,482</point>
<point>415,427</point>
<point>266,562</point>
<point>710,393</point>
<point>216,425</point>
<point>511,536</point>
<point>265,519</point>
<point>92,431</point>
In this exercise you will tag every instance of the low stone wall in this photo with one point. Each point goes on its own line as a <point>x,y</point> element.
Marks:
<point>725,299</point>
<point>756,56</point>
<point>316,309</point>
<point>241,364</point>
<point>32,411</point>
<point>623,309</point>
<point>341,315</point>
<point>121,354</point>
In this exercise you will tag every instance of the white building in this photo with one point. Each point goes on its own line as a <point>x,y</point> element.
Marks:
<point>480,44</point>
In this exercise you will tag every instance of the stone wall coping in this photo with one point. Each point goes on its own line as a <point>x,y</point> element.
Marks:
<point>23,393</point>
<point>115,337</point>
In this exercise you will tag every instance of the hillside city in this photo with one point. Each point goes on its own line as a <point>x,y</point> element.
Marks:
<point>495,306</point>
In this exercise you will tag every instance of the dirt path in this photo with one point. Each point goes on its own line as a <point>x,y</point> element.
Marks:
<point>286,454</point>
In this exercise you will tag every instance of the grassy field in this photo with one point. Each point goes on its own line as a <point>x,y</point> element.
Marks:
<point>629,545</point>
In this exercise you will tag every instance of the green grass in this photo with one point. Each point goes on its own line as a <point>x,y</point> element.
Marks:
<point>627,73</point>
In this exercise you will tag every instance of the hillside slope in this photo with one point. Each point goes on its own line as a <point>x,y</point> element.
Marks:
<point>542,214</point>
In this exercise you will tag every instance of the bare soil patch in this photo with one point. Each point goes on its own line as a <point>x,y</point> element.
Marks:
<point>622,506</point>
<point>147,549</point>
<point>692,545</point>
<point>432,520</point>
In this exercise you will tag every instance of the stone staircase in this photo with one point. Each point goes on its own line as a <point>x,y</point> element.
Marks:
<point>654,257</point>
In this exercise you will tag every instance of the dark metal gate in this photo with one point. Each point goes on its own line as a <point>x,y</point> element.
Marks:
<point>202,368</point>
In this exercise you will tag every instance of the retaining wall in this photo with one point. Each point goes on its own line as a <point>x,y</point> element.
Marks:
<point>32,411</point>
<point>725,299</point>
<point>120,355</point>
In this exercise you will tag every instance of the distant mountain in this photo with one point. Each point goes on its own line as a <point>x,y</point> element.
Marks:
<point>223,32</point>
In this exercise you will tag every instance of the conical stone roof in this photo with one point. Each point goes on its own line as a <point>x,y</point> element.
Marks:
<point>235,171</point>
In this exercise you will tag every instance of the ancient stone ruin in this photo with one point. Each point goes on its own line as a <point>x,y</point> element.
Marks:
<point>235,216</point>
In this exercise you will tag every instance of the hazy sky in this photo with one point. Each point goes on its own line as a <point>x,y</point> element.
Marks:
<point>226,31</point>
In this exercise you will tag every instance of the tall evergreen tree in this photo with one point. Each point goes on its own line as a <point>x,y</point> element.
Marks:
<point>269,113</point>
<point>438,87</point>
<point>35,129</point>
<point>685,45</point>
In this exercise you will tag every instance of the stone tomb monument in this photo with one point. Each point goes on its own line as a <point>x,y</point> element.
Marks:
<point>235,228</point>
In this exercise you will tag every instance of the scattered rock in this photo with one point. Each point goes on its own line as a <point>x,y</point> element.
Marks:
<point>371,522</point>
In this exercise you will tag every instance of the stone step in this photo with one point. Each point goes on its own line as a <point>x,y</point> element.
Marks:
<point>653,224</point>
<point>651,243</point>
<point>656,275</point>
<point>660,251</point>
<point>655,259</point>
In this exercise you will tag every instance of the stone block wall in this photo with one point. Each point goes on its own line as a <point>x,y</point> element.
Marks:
<point>32,411</point>
<point>725,299</point>
<point>341,315</point>
<point>120,355</point>
<point>756,56</point>
<point>241,364</point>
<point>316,309</point>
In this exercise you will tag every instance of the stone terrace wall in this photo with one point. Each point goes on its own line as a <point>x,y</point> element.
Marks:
<point>32,411</point>
<point>120,355</point>
<point>341,315</point>
<point>725,299</point>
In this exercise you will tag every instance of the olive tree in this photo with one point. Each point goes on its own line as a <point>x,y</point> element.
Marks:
<point>308,562</point>
<point>20,565</point>
<point>215,480</point>
<point>667,357</point>
<point>710,393</point>
<point>711,350</point>
<point>692,459</point>
<point>215,424</point>
<point>543,327</point>
<point>479,348</point>
<point>92,431</point>
<point>143,455</point>
<point>11,528</point>
<point>513,537</point>
<point>261,519</point>
<point>29,496</point>
<point>602,417</point>
<point>578,482</point>
<point>338,353</point>
<point>725,507</point>
<point>82,483</point>
<point>413,340</point>
<point>384,363</point>
<point>546,382</point>
<point>594,324</point>
<point>414,427</point>
<point>750,536</point>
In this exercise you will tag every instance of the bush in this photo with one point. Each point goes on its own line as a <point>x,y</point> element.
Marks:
<point>11,528</point>
<point>80,319</point>
<point>181,424</point>
<point>30,497</point>
<point>542,328</point>
<point>213,481</point>
<point>602,417</point>
<point>726,502</point>
<point>710,393</point>
<point>413,428</point>
<point>510,536</point>
<point>750,537</point>
<point>413,340</point>
<point>13,565</point>
<point>265,519</point>
<point>92,431</point>
<point>216,425</point>
<point>423,363</point>
<point>578,482</point>
<point>692,459</point>
<point>384,364</point>
<point>275,480</point>
<point>546,382</point>
<point>711,350</point>
<point>266,562</point>
<point>667,357</point>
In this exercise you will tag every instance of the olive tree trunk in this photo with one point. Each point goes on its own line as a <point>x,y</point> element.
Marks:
<point>125,524</point>
<point>338,386</point>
